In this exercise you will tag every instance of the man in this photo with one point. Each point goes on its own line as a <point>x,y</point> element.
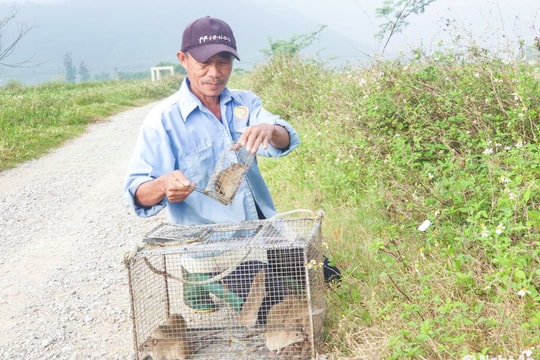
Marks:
<point>182,139</point>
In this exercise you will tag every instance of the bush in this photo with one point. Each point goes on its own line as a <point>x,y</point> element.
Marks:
<point>449,139</point>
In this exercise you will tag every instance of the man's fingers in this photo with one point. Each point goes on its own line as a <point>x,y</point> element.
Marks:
<point>183,183</point>
<point>237,146</point>
<point>254,136</point>
<point>179,178</point>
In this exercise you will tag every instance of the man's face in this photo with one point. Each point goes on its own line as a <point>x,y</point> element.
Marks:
<point>207,79</point>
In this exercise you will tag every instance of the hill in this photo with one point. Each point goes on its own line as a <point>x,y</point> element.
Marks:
<point>111,36</point>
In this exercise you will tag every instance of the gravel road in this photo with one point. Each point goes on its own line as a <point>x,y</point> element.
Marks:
<point>64,228</point>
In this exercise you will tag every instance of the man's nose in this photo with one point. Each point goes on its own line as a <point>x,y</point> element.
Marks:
<point>214,69</point>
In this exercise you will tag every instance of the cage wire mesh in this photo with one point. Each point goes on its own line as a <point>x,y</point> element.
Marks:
<point>228,174</point>
<point>249,290</point>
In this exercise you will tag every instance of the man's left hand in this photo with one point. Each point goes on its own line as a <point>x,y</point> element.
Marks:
<point>263,134</point>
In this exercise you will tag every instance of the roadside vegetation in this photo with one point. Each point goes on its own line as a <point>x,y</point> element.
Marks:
<point>34,119</point>
<point>428,170</point>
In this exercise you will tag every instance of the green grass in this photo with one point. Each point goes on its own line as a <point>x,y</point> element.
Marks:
<point>449,139</point>
<point>36,119</point>
<point>446,138</point>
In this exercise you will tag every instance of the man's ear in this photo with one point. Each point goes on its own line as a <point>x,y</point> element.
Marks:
<point>182,57</point>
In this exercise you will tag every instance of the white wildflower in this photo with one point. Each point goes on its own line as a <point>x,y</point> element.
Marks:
<point>527,353</point>
<point>485,231</point>
<point>504,180</point>
<point>523,292</point>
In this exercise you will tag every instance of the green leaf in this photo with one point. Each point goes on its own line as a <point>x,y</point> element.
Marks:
<point>520,275</point>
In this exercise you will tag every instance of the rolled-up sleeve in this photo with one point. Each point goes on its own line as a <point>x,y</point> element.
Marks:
<point>129,195</point>
<point>294,138</point>
<point>151,158</point>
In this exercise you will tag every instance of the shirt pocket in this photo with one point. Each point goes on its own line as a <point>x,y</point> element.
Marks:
<point>198,164</point>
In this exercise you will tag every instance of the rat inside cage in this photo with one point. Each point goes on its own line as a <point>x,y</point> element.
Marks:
<point>249,290</point>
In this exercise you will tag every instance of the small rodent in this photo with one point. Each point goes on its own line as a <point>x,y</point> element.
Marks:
<point>228,181</point>
<point>169,341</point>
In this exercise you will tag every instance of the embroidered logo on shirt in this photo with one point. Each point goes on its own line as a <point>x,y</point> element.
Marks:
<point>241,113</point>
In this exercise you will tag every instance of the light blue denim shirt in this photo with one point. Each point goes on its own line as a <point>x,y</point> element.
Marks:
<point>181,134</point>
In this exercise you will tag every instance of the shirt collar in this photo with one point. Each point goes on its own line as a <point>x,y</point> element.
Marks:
<point>189,102</point>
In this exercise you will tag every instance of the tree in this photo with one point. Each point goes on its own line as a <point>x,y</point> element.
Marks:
<point>6,49</point>
<point>102,76</point>
<point>396,13</point>
<point>84,74</point>
<point>71,71</point>
<point>293,46</point>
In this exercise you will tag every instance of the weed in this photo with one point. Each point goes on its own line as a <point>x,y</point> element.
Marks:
<point>450,139</point>
<point>35,119</point>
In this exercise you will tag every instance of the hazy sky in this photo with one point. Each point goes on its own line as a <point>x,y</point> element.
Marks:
<point>355,18</point>
<point>349,37</point>
<point>484,19</point>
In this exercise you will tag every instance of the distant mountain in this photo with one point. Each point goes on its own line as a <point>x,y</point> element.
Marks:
<point>132,36</point>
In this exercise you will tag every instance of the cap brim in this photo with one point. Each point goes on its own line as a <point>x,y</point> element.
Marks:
<point>203,53</point>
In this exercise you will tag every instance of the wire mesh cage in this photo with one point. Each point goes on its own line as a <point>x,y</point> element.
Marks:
<point>249,290</point>
<point>228,174</point>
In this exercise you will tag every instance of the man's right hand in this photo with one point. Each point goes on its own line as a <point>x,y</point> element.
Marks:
<point>175,185</point>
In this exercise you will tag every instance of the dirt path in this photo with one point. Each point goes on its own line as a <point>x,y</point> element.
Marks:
<point>64,228</point>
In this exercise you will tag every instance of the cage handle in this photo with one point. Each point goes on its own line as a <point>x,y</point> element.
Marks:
<point>318,213</point>
<point>217,277</point>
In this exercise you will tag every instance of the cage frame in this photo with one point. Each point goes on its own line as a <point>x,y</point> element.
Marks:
<point>155,243</point>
